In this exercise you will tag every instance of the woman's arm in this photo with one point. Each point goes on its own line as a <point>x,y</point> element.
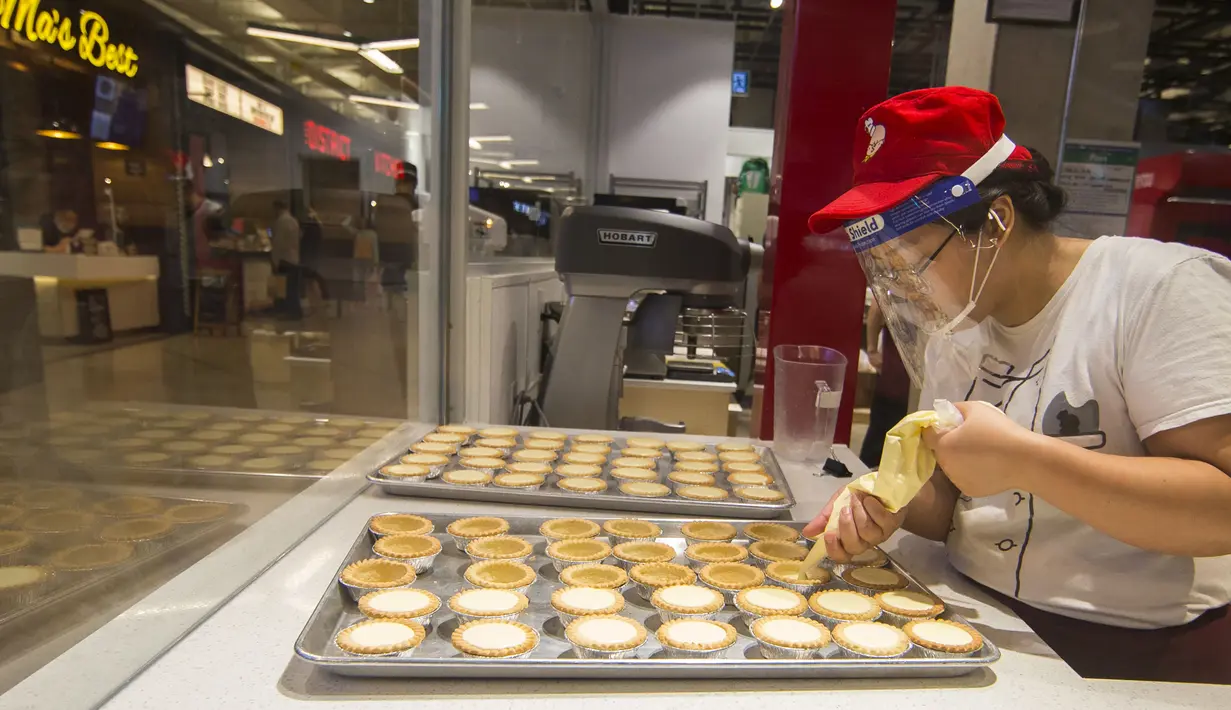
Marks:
<point>930,514</point>
<point>1177,501</point>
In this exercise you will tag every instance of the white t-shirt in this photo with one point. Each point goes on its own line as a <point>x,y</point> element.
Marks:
<point>1136,341</point>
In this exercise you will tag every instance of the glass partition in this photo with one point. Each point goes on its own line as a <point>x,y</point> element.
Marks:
<point>212,280</point>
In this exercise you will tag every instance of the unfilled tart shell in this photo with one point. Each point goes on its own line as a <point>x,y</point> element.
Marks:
<point>569,528</point>
<point>594,575</point>
<point>470,528</point>
<point>377,573</point>
<point>709,530</point>
<point>194,513</point>
<point>576,633</point>
<point>501,547</point>
<point>712,552</point>
<point>407,547</point>
<point>345,641</point>
<point>400,524</point>
<point>80,558</point>
<point>776,532</point>
<point>778,551</point>
<point>662,574</point>
<point>877,578</point>
<point>788,573</point>
<point>632,527</point>
<point>500,574</point>
<point>583,550</point>
<point>732,575</point>
<point>531,639</point>
<point>128,506</point>
<point>136,529</point>
<point>644,551</point>
<point>667,630</point>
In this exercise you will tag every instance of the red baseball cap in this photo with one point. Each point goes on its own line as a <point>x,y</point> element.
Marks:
<point>908,142</point>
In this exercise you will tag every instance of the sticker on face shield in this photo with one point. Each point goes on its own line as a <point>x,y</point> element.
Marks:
<point>942,198</point>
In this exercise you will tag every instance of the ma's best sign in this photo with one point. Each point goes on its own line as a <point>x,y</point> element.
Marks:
<point>89,35</point>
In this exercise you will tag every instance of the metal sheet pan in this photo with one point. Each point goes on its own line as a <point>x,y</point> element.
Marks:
<point>613,499</point>
<point>436,657</point>
<point>65,587</point>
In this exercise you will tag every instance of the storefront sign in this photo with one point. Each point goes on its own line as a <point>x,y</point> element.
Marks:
<point>209,90</point>
<point>388,165</point>
<point>324,139</point>
<point>90,37</point>
<point>1098,177</point>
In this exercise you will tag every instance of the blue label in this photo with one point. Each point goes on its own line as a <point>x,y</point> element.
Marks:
<point>940,199</point>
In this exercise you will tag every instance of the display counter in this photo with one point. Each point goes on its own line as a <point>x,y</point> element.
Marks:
<point>130,282</point>
<point>243,655</point>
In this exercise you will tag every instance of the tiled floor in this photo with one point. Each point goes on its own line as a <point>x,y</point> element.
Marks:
<point>356,363</point>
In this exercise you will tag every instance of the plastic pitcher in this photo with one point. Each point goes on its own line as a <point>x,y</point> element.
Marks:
<point>807,392</point>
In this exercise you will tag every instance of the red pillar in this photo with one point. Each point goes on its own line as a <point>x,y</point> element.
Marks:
<point>834,66</point>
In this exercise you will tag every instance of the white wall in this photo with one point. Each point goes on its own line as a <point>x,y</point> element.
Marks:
<point>745,143</point>
<point>534,70</point>
<point>668,100</point>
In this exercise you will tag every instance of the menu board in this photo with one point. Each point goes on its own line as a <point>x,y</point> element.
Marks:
<point>208,90</point>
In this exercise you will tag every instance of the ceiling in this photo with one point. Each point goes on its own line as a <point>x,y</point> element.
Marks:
<point>1188,72</point>
<point>1187,75</point>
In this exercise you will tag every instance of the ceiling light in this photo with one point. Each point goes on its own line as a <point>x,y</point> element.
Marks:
<point>382,60</point>
<point>262,59</point>
<point>479,106</point>
<point>222,161</point>
<point>301,37</point>
<point>510,164</point>
<point>111,145</point>
<point>505,184</point>
<point>1146,62</point>
<point>18,66</point>
<point>527,180</point>
<point>393,45</point>
<point>775,4</point>
<point>492,139</point>
<point>484,161</point>
<point>58,133</point>
<point>475,145</point>
<point>347,33</point>
<point>207,161</point>
<point>1174,92</point>
<point>377,101</point>
<point>368,2</point>
<point>106,181</point>
<point>1206,72</point>
<point>1183,61</point>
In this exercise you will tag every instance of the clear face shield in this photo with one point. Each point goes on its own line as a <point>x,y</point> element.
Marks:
<point>927,300</point>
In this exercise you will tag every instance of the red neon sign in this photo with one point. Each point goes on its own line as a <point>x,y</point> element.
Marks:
<point>388,165</point>
<point>323,139</point>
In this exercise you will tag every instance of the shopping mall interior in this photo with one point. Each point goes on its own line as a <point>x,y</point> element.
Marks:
<point>248,246</point>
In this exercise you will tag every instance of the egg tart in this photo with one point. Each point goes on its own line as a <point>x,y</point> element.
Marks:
<point>645,489</point>
<point>608,637</point>
<point>770,601</point>
<point>400,524</point>
<point>789,637</point>
<point>495,639</point>
<point>418,551</point>
<point>500,574</point>
<point>196,513</point>
<point>696,638</point>
<point>907,605</point>
<point>381,637</point>
<point>472,604</point>
<point>759,494</point>
<point>874,579</point>
<point>581,485</point>
<point>871,639</point>
<point>407,604</point>
<point>943,639</point>
<point>835,605</point>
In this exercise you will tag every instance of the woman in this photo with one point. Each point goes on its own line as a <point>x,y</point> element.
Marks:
<point>1098,486</point>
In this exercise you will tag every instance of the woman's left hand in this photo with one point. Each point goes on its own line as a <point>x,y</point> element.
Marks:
<point>984,455</point>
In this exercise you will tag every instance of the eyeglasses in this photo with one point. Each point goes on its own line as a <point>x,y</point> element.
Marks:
<point>928,261</point>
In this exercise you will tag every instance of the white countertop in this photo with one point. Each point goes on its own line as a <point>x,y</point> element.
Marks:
<point>79,267</point>
<point>243,656</point>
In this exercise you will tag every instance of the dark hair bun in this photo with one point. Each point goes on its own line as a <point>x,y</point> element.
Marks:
<point>1037,200</point>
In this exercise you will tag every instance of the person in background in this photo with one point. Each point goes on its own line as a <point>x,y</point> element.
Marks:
<point>285,241</point>
<point>60,232</point>
<point>311,242</point>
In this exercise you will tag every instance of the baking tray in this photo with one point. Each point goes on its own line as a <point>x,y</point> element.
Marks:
<point>613,499</point>
<point>64,587</point>
<point>436,657</point>
<point>69,436</point>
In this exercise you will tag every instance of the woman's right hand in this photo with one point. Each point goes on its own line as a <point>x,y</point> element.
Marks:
<point>863,524</point>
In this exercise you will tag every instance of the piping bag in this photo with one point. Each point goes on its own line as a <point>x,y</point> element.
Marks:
<point>906,464</point>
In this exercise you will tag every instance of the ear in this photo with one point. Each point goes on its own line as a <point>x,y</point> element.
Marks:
<point>1001,217</point>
